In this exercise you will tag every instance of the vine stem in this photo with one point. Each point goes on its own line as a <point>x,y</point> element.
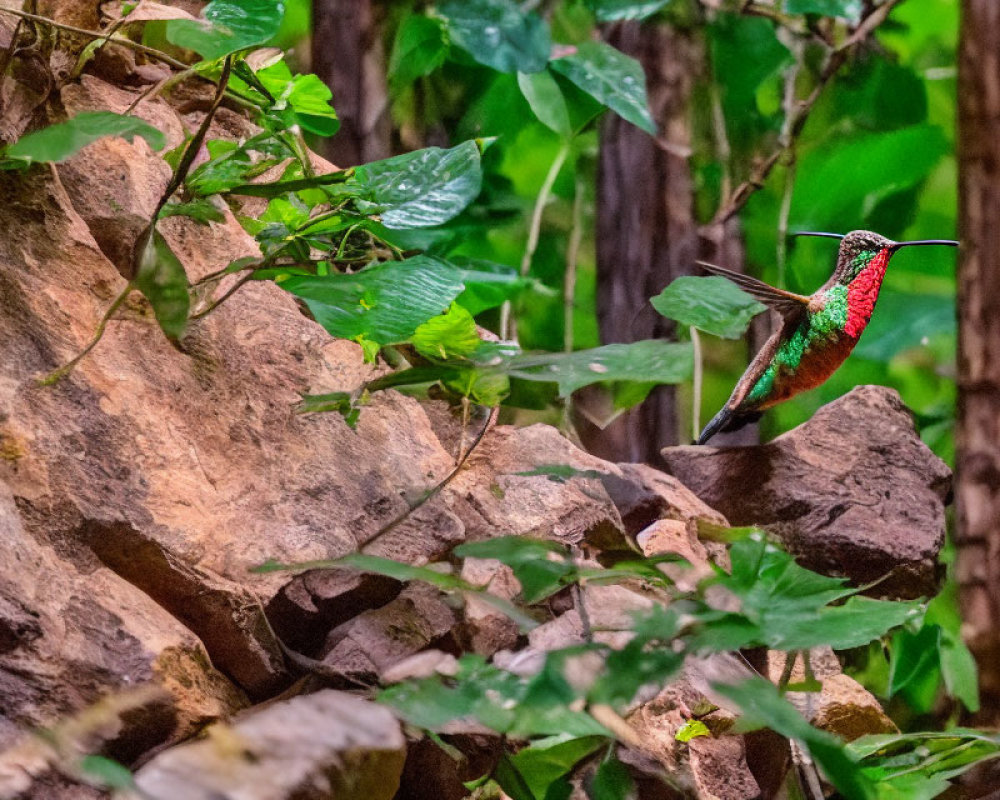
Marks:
<point>61,372</point>
<point>696,382</point>
<point>508,326</point>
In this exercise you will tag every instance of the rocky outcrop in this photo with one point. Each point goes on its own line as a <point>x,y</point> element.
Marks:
<point>137,493</point>
<point>853,491</point>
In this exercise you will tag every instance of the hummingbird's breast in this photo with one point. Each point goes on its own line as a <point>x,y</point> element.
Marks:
<point>810,354</point>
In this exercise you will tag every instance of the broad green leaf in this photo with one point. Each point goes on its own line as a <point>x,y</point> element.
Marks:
<point>612,781</point>
<point>201,211</point>
<point>233,165</point>
<point>918,766</point>
<point>786,607</point>
<point>827,191</point>
<point>498,34</point>
<point>763,706</point>
<point>384,304</point>
<point>847,9</point>
<point>714,305</point>
<point>487,284</point>
<point>451,335</point>
<point>60,141</point>
<point>610,77</point>
<point>903,320</point>
<point>651,361</point>
<point>958,668</point>
<point>509,778</point>
<point>546,99</point>
<point>302,100</point>
<point>546,761</point>
<point>420,189</point>
<point>420,47</point>
<point>612,10</point>
<point>161,278</point>
<point>228,26</point>
<point>913,655</point>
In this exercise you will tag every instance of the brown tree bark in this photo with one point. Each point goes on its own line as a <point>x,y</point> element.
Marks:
<point>647,233</point>
<point>348,55</point>
<point>977,487</point>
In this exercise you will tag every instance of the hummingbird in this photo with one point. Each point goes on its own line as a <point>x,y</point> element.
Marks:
<point>816,332</point>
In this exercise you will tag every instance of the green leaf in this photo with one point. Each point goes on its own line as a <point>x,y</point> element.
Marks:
<point>652,361</point>
<point>420,189</point>
<point>384,304</point>
<point>451,335</point>
<point>846,9</point>
<point>420,48</point>
<point>714,305</point>
<point>302,100</point>
<point>510,779</point>
<point>692,729</point>
<point>546,99</point>
<point>827,191</point>
<point>786,607</point>
<point>498,34</point>
<point>60,141</point>
<point>958,668</point>
<point>918,766</point>
<point>904,320</point>
<point>612,10</point>
<point>913,654</point>
<point>546,761</point>
<point>763,706</point>
<point>610,77</point>
<point>611,782</point>
<point>541,567</point>
<point>201,211</point>
<point>487,284</point>
<point>161,278</point>
<point>227,26</point>
<point>110,774</point>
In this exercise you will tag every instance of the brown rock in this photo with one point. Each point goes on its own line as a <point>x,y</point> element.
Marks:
<point>328,744</point>
<point>851,492</point>
<point>364,647</point>
<point>493,499</point>
<point>69,635</point>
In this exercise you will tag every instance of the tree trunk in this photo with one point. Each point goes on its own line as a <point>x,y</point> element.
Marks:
<point>977,488</point>
<point>347,54</point>
<point>646,229</point>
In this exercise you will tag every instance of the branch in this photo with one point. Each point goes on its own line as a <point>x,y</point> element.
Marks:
<point>796,122</point>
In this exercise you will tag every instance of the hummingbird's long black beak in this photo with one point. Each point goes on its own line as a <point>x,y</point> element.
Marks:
<point>949,242</point>
<point>818,233</point>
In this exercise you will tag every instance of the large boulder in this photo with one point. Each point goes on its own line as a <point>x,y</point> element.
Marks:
<point>853,491</point>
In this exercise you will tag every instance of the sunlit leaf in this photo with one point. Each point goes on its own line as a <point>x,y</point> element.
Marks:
<point>107,772</point>
<point>228,26</point>
<point>612,10</point>
<point>713,304</point>
<point>498,34</point>
<point>451,335</point>
<point>62,140</point>
<point>161,278</point>
<point>303,100</point>
<point>384,304</point>
<point>420,189</point>
<point>612,78</point>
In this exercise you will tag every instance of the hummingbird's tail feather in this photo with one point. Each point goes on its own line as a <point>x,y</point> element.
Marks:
<point>726,421</point>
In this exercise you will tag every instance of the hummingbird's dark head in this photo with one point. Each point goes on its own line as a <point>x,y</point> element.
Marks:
<point>859,248</point>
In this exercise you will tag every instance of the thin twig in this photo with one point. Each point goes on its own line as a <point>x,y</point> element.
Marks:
<point>61,372</point>
<point>437,488</point>
<point>835,60</point>
<point>229,293</point>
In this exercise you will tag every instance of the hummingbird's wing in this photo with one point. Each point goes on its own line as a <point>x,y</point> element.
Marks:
<point>788,304</point>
